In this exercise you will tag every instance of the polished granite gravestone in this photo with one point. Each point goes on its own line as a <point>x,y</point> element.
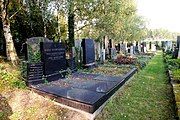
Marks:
<point>80,75</point>
<point>34,73</point>
<point>53,58</point>
<point>109,78</point>
<point>88,52</point>
<point>91,85</point>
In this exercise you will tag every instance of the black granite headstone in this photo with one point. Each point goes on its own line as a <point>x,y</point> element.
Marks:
<point>119,47</point>
<point>178,46</point>
<point>53,57</point>
<point>175,53</point>
<point>88,52</point>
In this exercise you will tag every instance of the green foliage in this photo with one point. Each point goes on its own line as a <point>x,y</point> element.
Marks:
<point>142,61</point>
<point>176,74</point>
<point>45,80</point>
<point>10,78</point>
<point>148,95</point>
<point>162,34</point>
<point>173,64</point>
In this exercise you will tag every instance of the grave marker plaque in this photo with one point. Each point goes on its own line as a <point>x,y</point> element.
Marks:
<point>53,57</point>
<point>35,73</point>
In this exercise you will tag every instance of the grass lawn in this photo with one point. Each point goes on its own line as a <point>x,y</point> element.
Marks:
<point>147,96</point>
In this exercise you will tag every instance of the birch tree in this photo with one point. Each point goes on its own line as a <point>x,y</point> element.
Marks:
<point>10,49</point>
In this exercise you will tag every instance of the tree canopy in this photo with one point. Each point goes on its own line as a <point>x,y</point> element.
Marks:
<point>67,20</point>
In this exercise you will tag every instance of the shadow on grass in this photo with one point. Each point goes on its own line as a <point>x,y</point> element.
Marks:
<point>5,109</point>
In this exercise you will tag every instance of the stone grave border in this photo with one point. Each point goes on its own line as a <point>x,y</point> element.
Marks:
<point>89,108</point>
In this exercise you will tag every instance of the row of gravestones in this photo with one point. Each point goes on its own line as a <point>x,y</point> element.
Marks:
<point>47,59</point>
<point>131,48</point>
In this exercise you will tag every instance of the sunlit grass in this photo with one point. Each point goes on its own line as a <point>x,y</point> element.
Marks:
<point>147,96</point>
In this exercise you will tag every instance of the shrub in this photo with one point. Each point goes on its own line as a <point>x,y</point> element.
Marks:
<point>173,63</point>
<point>10,77</point>
<point>125,60</point>
<point>176,74</point>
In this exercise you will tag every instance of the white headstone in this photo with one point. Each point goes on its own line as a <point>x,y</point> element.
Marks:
<point>103,55</point>
<point>131,50</point>
<point>153,47</point>
<point>145,49</point>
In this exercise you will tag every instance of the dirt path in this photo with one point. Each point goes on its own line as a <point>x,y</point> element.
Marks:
<point>27,105</point>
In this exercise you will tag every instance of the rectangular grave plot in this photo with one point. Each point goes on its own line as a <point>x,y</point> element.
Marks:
<point>81,95</point>
<point>69,102</point>
<point>95,86</point>
<point>53,57</point>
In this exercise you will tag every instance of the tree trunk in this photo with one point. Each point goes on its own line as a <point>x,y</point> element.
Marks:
<point>71,24</point>
<point>10,49</point>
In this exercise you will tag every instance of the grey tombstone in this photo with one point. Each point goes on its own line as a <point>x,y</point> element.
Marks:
<point>131,50</point>
<point>102,56</point>
<point>34,65</point>
<point>139,47</point>
<point>123,48</point>
<point>97,50</point>
<point>113,53</point>
<point>33,48</point>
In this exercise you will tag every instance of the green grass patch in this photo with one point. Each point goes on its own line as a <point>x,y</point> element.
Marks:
<point>147,96</point>
<point>176,74</point>
<point>10,77</point>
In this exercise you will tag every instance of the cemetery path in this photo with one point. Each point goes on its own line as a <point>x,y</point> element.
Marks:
<point>148,95</point>
<point>27,105</point>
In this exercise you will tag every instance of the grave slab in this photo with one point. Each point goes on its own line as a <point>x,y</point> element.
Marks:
<point>92,85</point>
<point>108,78</point>
<point>85,91</point>
<point>81,95</point>
<point>80,75</point>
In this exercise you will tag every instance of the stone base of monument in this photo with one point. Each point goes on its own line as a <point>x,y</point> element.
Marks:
<point>90,66</point>
<point>83,91</point>
<point>71,64</point>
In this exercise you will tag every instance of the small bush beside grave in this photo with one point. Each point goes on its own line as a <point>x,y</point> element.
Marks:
<point>173,69</point>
